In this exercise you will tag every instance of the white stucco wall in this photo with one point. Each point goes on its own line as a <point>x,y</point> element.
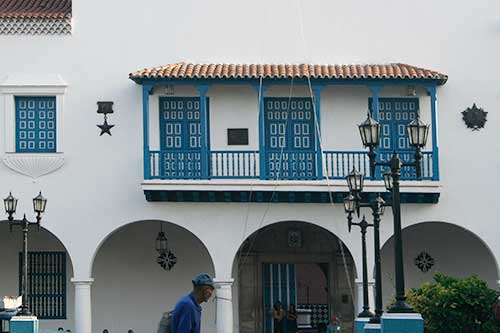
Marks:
<point>98,188</point>
<point>456,252</point>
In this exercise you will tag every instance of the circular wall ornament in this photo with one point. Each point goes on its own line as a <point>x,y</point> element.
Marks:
<point>474,117</point>
<point>424,261</point>
<point>167,260</point>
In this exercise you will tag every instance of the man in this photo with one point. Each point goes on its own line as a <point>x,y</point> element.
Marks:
<point>187,312</point>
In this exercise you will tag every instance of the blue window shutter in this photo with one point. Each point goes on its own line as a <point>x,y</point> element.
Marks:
<point>46,284</point>
<point>36,126</point>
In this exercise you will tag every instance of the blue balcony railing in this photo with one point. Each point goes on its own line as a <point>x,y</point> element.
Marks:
<point>245,164</point>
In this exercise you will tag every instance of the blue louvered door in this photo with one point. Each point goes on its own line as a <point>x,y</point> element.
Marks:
<point>290,138</point>
<point>279,284</point>
<point>180,137</point>
<point>394,116</point>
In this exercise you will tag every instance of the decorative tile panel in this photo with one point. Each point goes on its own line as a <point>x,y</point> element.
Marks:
<point>35,26</point>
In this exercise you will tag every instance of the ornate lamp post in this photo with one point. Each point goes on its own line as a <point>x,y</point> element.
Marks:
<point>366,313</point>
<point>378,207</point>
<point>39,204</point>
<point>417,137</point>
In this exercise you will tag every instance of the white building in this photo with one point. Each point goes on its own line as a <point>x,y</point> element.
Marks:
<point>239,166</point>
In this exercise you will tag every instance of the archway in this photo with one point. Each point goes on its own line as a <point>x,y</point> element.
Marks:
<point>51,296</point>
<point>295,263</point>
<point>431,247</point>
<point>132,290</point>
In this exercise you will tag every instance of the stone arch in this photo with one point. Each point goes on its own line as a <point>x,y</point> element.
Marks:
<point>252,233</point>
<point>454,250</point>
<point>131,290</point>
<point>120,227</point>
<point>269,246</point>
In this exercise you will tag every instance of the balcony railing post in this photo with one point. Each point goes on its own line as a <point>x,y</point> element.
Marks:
<point>205,150</point>
<point>375,90</point>
<point>317,130</point>
<point>147,89</point>
<point>431,90</point>
<point>261,90</point>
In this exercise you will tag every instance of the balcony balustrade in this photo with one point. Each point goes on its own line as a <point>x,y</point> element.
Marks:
<point>296,165</point>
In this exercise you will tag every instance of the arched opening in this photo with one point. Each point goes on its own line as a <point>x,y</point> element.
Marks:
<point>132,289</point>
<point>431,247</point>
<point>50,292</point>
<point>295,263</point>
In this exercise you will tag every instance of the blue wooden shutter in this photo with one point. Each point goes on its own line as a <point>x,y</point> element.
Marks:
<point>35,124</point>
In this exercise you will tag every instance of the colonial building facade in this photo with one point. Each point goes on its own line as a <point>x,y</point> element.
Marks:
<point>225,135</point>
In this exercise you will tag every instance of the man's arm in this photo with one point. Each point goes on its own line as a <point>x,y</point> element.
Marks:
<point>184,320</point>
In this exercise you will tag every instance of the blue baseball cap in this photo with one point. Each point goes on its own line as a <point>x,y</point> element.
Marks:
<point>203,279</point>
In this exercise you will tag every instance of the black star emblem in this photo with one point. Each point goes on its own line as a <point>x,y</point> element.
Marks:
<point>105,128</point>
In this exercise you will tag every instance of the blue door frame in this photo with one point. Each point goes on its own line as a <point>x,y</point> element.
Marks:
<point>290,138</point>
<point>181,137</point>
<point>394,116</point>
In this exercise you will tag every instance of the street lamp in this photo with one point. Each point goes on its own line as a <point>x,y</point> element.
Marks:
<point>417,138</point>
<point>363,224</point>
<point>39,204</point>
<point>377,207</point>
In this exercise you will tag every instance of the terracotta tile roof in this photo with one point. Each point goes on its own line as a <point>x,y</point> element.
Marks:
<point>35,9</point>
<point>282,71</point>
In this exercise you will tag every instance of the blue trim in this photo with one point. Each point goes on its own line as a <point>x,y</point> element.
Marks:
<point>276,284</point>
<point>293,287</point>
<point>261,90</point>
<point>205,149</point>
<point>435,147</point>
<point>36,124</point>
<point>317,130</point>
<point>375,90</point>
<point>146,91</point>
<point>284,289</point>
<point>267,297</point>
<point>374,107</point>
<point>270,196</point>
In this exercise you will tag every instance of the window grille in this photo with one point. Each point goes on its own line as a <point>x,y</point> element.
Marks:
<point>46,284</point>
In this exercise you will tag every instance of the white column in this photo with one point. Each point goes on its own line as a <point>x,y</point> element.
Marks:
<point>359,295</point>
<point>83,305</point>
<point>224,295</point>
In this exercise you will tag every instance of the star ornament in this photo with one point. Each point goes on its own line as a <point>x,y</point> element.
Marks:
<point>105,128</point>
<point>474,117</point>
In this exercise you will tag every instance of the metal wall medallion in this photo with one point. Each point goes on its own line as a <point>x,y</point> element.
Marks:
<point>105,108</point>
<point>424,261</point>
<point>294,238</point>
<point>474,117</point>
<point>167,260</point>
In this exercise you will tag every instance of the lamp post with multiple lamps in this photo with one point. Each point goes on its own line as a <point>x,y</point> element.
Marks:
<point>352,204</point>
<point>417,138</point>
<point>39,204</point>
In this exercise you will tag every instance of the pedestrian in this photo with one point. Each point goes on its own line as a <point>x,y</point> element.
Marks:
<point>186,317</point>
<point>278,318</point>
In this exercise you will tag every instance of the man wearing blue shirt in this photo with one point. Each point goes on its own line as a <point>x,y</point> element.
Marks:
<point>186,317</point>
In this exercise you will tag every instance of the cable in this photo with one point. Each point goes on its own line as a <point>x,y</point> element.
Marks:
<point>323,166</point>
